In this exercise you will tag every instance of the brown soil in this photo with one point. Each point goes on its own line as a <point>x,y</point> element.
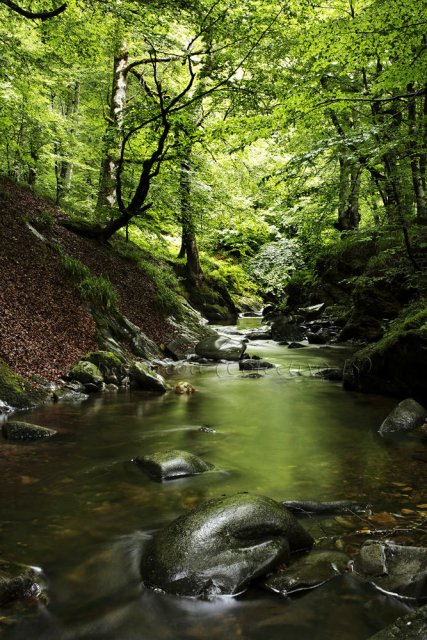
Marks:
<point>44,326</point>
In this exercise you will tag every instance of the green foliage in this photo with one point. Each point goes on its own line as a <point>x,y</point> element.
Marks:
<point>242,241</point>
<point>98,291</point>
<point>229,274</point>
<point>274,265</point>
<point>95,290</point>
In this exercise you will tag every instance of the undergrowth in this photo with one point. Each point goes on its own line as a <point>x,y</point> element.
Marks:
<point>95,290</point>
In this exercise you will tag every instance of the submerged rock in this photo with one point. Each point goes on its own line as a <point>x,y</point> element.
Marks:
<point>184,388</point>
<point>259,335</point>
<point>14,430</point>
<point>410,627</point>
<point>221,546</point>
<point>407,417</point>
<point>221,348</point>
<point>18,582</point>
<point>168,465</point>
<point>308,572</point>
<point>393,568</point>
<point>254,365</point>
<point>310,507</point>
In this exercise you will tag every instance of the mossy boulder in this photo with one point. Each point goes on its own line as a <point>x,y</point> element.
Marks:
<point>143,378</point>
<point>16,392</point>
<point>86,373</point>
<point>14,430</point>
<point>219,547</point>
<point>112,368</point>
<point>103,359</point>
<point>168,465</point>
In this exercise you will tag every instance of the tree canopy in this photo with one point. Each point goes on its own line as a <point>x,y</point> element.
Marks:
<point>233,125</point>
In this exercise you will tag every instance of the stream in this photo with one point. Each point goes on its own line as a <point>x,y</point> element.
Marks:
<point>78,508</point>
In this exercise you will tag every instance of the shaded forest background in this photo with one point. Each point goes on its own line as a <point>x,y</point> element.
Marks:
<point>277,151</point>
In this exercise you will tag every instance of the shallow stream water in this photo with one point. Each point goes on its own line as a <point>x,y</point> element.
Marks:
<point>77,507</point>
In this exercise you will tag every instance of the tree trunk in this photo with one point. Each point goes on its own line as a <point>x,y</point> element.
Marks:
<point>348,208</point>
<point>107,196</point>
<point>416,160</point>
<point>64,166</point>
<point>189,241</point>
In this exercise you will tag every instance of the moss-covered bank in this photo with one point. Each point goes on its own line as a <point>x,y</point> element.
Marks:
<point>396,364</point>
<point>16,392</point>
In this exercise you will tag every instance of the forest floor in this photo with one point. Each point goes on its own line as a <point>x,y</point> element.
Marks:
<point>44,326</point>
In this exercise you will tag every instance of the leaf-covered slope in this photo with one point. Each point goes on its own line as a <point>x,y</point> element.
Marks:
<point>44,326</point>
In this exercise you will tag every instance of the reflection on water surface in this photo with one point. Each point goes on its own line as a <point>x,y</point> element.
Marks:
<point>77,506</point>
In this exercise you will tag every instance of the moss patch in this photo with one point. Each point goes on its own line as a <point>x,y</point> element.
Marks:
<point>17,392</point>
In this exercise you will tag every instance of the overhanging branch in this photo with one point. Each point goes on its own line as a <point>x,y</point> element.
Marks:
<point>34,15</point>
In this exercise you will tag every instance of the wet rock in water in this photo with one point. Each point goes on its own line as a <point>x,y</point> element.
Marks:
<point>259,335</point>
<point>331,374</point>
<point>394,568</point>
<point>18,582</point>
<point>205,429</point>
<point>310,507</point>
<point>168,465</point>
<point>252,376</point>
<point>295,345</point>
<point>219,547</point>
<point>14,430</point>
<point>410,627</point>
<point>141,377</point>
<point>321,337</point>
<point>221,347</point>
<point>308,572</point>
<point>184,388</point>
<point>284,328</point>
<point>254,364</point>
<point>407,417</point>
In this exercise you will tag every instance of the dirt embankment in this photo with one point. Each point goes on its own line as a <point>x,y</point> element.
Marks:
<point>44,326</point>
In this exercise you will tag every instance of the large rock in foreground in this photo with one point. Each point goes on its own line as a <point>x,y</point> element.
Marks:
<point>168,465</point>
<point>219,547</point>
<point>407,417</point>
<point>221,348</point>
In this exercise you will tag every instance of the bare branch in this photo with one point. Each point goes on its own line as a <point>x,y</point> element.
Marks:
<point>34,15</point>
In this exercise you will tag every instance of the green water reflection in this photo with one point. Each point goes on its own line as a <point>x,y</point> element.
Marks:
<point>286,434</point>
